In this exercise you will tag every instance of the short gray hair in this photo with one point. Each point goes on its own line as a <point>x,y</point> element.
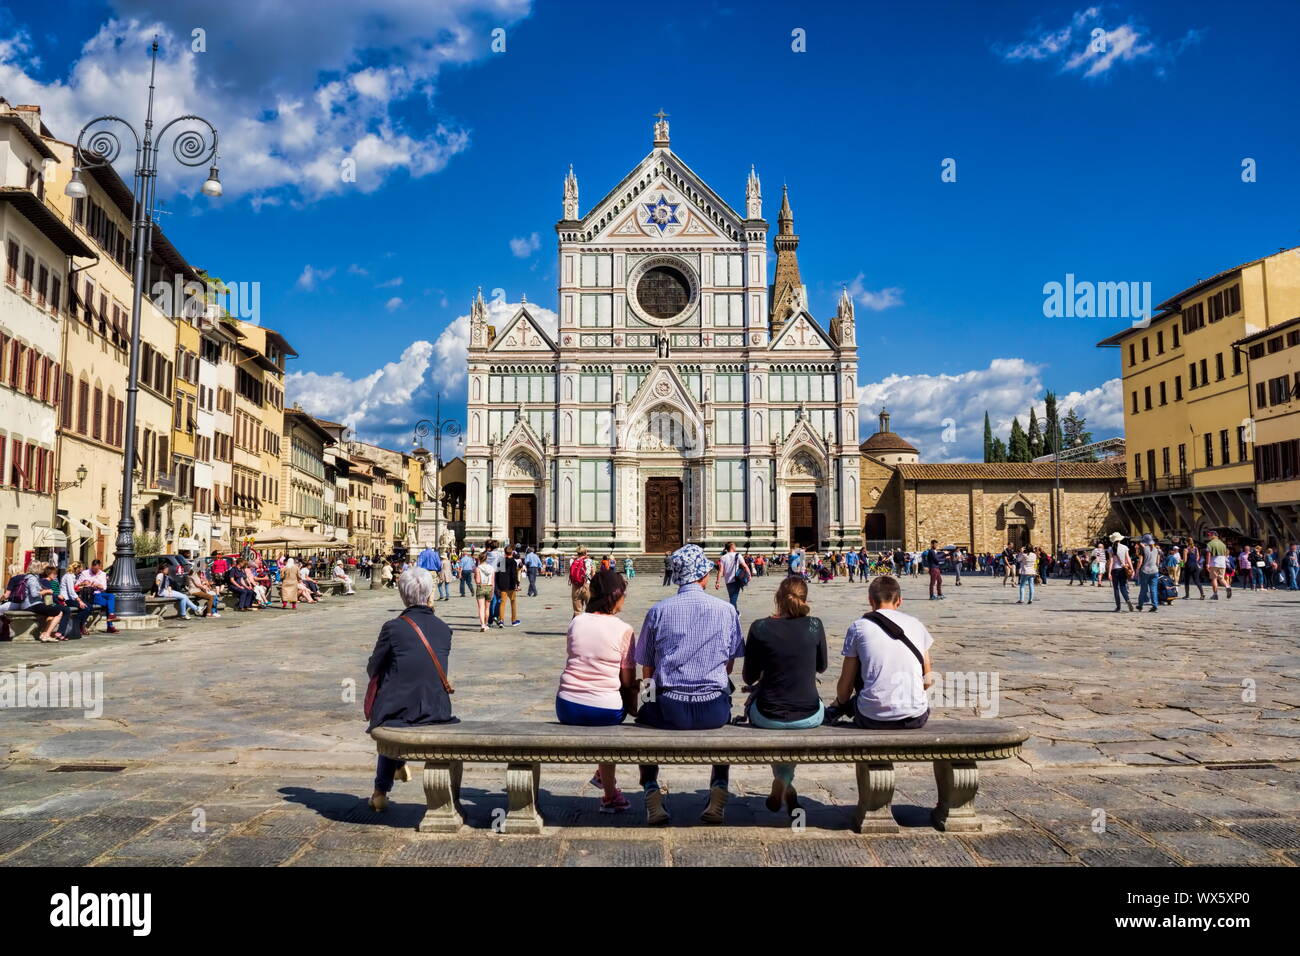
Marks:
<point>415,585</point>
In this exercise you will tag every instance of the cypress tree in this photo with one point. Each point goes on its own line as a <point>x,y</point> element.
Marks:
<point>1018,449</point>
<point>988,438</point>
<point>999,452</point>
<point>1035,436</point>
<point>1052,434</point>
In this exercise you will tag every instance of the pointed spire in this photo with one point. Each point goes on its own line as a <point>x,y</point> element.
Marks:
<point>845,308</point>
<point>753,195</point>
<point>785,219</point>
<point>884,419</point>
<point>571,195</point>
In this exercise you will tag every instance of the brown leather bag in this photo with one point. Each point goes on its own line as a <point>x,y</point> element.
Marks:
<point>442,675</point>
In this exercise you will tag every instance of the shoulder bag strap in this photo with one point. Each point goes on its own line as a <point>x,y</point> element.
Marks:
<point>446,684</point>
<point>893,630</point>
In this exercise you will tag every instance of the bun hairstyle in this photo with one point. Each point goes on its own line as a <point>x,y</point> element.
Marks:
<point>792,597</point>
<point>607,589</point>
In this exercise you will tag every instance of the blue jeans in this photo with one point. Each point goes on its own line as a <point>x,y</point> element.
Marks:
<point>183,603</point>
<point>385,769</point>
<point>694,713</point>
<point>1293,579</point>
<point>733,593</point>
<point>1119,584</point>
<point>785,771</point>
<point>1026,581</point>
<point>107,601</point>
<point>1257,578</point>
<point>584,715</point>
<point>1147,589</point>
<point>532,581</point>
<point>494,606</point>
<point>444,589</point>
<point>466,582</point>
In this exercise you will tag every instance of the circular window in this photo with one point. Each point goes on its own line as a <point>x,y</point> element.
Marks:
<point>663,292</point>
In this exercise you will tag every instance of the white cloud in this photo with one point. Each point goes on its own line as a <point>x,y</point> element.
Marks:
<point>286,122</point>
<point>356,270</point>
<point>523,248</point>
<point>393,304</point>
<point>1085,45</point>
<point>876,301</point>
<point>311,277</point>
<point>390,284</point>
<point>922,406</point>
<point>383,405</point>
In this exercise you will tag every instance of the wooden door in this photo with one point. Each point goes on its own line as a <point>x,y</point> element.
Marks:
<point>663,514</point>
<point>522,520</point>
<point>803,520</point>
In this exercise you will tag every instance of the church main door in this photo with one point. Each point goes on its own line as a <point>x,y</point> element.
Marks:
<point>803,520</point>
<point>663,514</point>
<point>523,520</point>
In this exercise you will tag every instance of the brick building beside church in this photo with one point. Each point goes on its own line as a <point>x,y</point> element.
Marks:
<point>981,506</point>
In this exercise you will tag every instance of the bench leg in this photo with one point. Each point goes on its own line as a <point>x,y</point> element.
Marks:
<point>875,791</point>
<point>522,780</point>
<point>441,791</point>
<point>957,782</point>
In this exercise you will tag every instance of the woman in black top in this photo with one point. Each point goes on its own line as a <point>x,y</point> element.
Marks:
<point>411,690</point>
<point>784,654</point>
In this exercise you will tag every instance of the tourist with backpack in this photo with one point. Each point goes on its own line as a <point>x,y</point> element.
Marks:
<point>735,569</point>
<point>580,571</point>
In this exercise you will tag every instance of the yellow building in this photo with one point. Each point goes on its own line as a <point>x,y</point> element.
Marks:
<point>302,481</point>
<point>1273,365</point>
<point>259,428</point>
<point>1187,402</point>
<point>360,485</point>
<point>185,434</point>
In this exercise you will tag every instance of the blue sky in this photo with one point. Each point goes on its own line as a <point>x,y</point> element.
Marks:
<point>1123,165</point>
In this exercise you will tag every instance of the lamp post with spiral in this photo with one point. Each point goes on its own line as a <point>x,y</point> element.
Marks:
<point>98,146</point>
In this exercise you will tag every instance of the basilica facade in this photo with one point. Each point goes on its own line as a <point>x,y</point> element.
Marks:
<point>683,397</point>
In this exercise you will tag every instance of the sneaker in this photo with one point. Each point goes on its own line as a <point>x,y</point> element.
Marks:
<point>656,814</point>
<point>482,627</point>
<point>619,804</point>
<point>214,615</point>
<point>1213,597</point>
<point>513,624</point>
<point>714,812</point>
<point>1229,592</point>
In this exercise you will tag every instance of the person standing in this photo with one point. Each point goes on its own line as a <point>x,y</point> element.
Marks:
<point>580,570</point>
<point>735,569</point>
<point>932,561</point>
<point>467,565</point>
<point>851,563</point>
<point>1120,568</point>
<point>958,559</point>
<point>1216,554</point>
<point>1291,568</point>
<point>1148,567</point>
<point>668,568</point>
<point>507,585</point>
<point>289,585</point>
<point>687,646</point>
<point>784,654</point>
<point>532,566</point>
<point>1192,569</point>
<point>1027,569</point>
<point>484,585</point>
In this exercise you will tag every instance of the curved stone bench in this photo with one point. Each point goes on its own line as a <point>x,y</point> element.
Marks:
<point>953,746</point>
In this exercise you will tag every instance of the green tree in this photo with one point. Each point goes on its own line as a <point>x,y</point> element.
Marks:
<point>988,438</point>
<point>1076,432</point>
<point>1018,448</point>
<point>999,451</point>
<point>1035,436</point>
<point>1052,434</point>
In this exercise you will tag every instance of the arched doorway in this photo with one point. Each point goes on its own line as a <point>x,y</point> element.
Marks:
<point>522,520</point>
<point>663,514</point>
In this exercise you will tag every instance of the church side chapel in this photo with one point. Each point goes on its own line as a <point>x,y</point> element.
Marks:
<point>682,399</point>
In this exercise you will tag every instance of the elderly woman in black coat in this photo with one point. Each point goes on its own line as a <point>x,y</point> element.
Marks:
<point>412,685</point>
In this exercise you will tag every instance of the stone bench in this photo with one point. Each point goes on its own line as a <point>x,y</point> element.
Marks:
<point>953,746</point>
<point>28,624</point>
<point>157,606</point>
<point>329,586</point>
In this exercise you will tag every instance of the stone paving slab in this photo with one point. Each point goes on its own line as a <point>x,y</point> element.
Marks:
<point>254,722</point>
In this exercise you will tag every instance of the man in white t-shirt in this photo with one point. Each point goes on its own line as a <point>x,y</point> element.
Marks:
<point>733,568</point>
<point>883,682</point>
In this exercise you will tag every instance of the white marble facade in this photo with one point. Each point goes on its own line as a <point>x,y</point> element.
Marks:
<point>670,406</point>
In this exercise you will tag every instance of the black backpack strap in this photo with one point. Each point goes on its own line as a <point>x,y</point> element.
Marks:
<point>893,630</point>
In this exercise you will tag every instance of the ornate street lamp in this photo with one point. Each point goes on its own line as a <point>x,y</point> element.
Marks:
<point>98,146</point>
<point>437,427</point>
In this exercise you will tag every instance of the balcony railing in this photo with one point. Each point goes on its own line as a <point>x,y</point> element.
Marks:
<point>1152,485</point>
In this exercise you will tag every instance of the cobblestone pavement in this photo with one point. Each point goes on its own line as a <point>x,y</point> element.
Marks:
<point>1176,730</point>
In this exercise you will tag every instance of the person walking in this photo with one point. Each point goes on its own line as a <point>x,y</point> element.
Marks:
<point>1291,568</point>
<point>932,561</point>
<point>484,586</point>
<point>668,568</point>
<point>598,686</point>
<point>289,585</point>
<point>687,646</point>
<point>409,668</point>
<point>467,565</point>
<point>735,569</point>
<point>1120,568</point>
<point>507,587</point>
<point>784,653</point>
<point>1192,569</point>
<point>1216,555</point>
<point>532,566</point>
